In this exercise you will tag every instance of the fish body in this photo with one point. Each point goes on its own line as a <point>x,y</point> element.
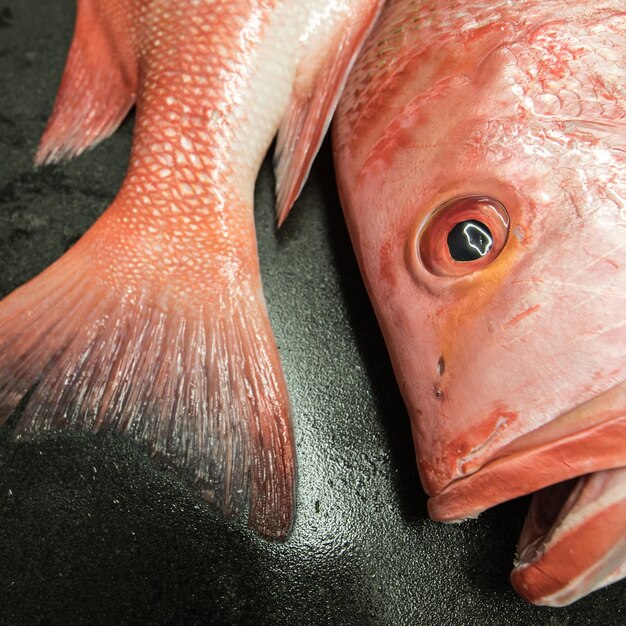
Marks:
<point>154,324</point>
<point>480,151</point>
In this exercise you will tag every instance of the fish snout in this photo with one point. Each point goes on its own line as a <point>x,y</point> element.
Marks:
<point>586,439</point>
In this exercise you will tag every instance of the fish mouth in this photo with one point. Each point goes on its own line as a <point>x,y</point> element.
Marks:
<point>573,540</point>
<point>574,537</point>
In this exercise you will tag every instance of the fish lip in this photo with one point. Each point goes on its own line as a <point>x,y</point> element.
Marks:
<point>573,540</point>
<point>529,464</point>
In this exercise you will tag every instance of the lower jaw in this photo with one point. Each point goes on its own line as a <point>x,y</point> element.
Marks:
<point>573,540</point>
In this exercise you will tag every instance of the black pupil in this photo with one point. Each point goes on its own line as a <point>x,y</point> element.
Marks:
<point>469,240</point>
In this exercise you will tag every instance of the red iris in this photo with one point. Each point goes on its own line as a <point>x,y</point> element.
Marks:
<point>463,235</point>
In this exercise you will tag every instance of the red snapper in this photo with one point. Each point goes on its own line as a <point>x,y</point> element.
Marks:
<point>480,151</point>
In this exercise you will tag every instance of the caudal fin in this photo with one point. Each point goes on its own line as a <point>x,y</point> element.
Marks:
<point>200,387</point>
<point>98,85</point>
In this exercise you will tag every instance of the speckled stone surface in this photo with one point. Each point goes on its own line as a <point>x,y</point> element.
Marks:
<point>91,531</point>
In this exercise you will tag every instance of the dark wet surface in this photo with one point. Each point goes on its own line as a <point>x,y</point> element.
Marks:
<point>91,531</point>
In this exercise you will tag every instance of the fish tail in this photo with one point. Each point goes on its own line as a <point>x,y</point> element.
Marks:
<point>200,386</point>
<point>98,85</point>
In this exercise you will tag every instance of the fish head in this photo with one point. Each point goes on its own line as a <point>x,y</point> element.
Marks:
<point>485,197</point>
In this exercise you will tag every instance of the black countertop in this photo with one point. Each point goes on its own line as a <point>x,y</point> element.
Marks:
<point>92,531</point>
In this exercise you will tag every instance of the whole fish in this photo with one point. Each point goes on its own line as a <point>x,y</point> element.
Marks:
<point>154,324</point>
<point>480,151</point>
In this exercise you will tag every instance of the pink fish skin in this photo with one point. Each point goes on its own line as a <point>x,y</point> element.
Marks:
<point>154,324</point>
<point>508,342</point>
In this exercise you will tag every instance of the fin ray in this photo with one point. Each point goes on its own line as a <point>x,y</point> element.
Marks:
<point>308,116</point>
<point>97,88</point>
<point>199,386</point>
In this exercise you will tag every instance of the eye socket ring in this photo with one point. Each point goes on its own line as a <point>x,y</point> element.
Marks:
<point>463,235</point>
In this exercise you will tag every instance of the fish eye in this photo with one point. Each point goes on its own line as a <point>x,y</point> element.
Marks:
<point>463,235</point>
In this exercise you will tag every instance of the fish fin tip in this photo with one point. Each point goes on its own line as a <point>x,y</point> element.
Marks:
<point>311,108</point>
<point>201,388</point>
<point>96,92</point>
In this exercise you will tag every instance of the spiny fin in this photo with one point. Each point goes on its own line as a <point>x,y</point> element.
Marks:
<point>97,88</point>
<point>201,387</point>
<point>311,108</point>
